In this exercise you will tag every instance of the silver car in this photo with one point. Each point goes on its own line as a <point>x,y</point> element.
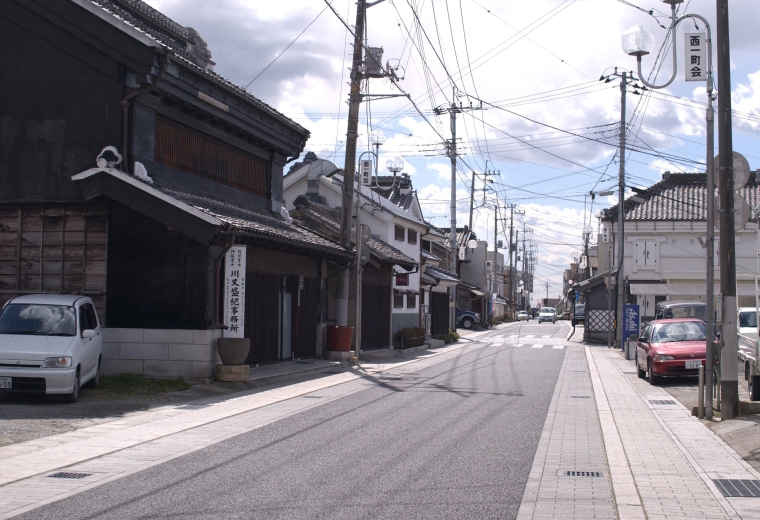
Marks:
<point>547,314</point>
<point>49,344</point>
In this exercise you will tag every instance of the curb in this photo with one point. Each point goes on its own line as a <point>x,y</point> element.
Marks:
<point>287,376</point>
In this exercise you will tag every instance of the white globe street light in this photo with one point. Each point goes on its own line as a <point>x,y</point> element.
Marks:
<point>377,138</point>
<point>638,41</point>
<point>395,164</point>
<point>472,244</point>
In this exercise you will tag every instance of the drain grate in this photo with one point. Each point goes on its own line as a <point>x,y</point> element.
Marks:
<point>738,488</point>
<point>662,401</point>
<point>629,373</point>
<point>580,371</point>
<point>574,473</point>
<point>64,474</point>
<point>580,397</point>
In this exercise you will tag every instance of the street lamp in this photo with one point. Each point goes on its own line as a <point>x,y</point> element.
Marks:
<point>394,164</point>
<point>639,42</point>
<point>376,139</point>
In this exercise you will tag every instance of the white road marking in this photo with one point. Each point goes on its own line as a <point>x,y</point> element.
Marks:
<point>547,336</point>
<point>559,347</point>
<point>518,345</point>
<point>537,346</point>
<point>530,336</point>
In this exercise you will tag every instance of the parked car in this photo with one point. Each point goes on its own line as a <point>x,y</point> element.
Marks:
<point>671,347</point>
<point>49,344</point>
<point>523,316</point>
<point>579,314</point>
<point>547,314</point>
<point>467,319</point>
<point>748,322</point>
<point>680,309</point>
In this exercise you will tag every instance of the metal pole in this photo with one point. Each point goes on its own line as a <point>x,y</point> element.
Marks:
<point>710,249</point>
<point>511,227</point>
<point>355,98</point>
<point>729,390</point>
<point>609,298</point>
<point>701,406</point>
<point>358,325</point>
<point>453,233</point>
<point>495,255</point>
<point>621,215</point>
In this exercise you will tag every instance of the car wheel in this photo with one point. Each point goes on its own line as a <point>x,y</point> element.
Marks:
<point>93,383</point>
<point>73,397</point>
<point>467,323</point>
<point>653,379</point>
<point>641,373</point>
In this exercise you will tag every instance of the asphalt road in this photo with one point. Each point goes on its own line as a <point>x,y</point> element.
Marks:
<point>454,440</point>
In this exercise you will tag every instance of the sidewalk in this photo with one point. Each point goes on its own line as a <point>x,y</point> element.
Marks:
<point>641,455</point>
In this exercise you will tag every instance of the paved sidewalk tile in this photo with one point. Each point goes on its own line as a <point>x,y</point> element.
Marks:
<point>672,456</point>
<point>571,441</point>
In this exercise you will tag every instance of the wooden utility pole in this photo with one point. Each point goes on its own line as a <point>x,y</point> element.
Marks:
<point>621,216</point>
<point>346,222</point>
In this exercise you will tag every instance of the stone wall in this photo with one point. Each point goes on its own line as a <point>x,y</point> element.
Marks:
<point>161,353</point>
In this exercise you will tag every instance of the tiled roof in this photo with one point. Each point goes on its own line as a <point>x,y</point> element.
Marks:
<point>440,274</point>
<point>330,218</point>
<point>681,197</point>
<point>384,203</point>
<point>170,35</point>
<point>430,256</point>
<point>263,224</point>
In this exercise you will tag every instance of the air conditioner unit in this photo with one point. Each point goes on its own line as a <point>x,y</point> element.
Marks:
<point>365,171</point>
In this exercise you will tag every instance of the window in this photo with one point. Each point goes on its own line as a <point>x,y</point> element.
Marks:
<point>412,236</point>
<point>400,233</point>
<point>488,263</point>
<point>646,255</point>
<point>38,320</point>
<point>398,300</point>
<point>87,318</point>
<point>411,301</point>
<point>426,245</point>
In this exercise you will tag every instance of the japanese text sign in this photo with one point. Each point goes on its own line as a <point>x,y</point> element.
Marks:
<point>694,51</point>
<point>631,320</point>
<point>234,292</point>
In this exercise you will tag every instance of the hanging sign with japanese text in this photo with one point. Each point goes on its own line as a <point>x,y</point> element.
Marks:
<point>234,292</point>
<point>694,51</point>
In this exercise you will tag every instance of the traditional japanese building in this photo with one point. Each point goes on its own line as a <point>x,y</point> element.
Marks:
<point>129,168</point>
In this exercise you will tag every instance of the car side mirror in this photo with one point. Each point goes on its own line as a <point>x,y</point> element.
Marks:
<point>88,333</point>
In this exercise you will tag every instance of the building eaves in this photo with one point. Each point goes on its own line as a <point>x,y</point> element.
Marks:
<point>441,274</point>
<point>168,35</point>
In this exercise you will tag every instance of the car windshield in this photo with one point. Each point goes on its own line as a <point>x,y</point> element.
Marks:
<point>748,319</point>
<point>547,309</point>
<point>681,331</point>
<point>38,319</point>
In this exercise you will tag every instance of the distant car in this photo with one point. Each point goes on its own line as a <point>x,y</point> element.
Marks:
<point>672,347</point>
<point>579,314</point>
<point>523,316</point>
<point>467,319</point>
<point>49,344</point>
<point>547,314</point>
<point>748,322</point>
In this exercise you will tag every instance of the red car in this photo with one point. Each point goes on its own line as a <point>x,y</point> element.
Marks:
<point>673,347</point>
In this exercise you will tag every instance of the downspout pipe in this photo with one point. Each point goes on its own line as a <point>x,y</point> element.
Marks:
<point>162,62</point>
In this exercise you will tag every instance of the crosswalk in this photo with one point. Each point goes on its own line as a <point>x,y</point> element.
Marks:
<point>516,341</point>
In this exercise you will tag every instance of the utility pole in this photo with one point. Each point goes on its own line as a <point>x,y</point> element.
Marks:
<point>453,110</point>
<point>511,226</point>
<point>729,386</point>
<point>495,255</point>
<point>354,100</point>
<point>472,197</point>
<point>621,215</point>
<point>547,293</point>
<point>525,256</point>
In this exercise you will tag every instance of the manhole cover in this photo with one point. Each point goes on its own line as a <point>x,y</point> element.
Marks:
<point>64,474</point>
<point>738,488</point>
<point>576,473</point>
<point>662,401</point>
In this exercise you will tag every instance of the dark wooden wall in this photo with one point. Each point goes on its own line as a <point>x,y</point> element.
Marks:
<point>439,313</point>
<point>156,276</point>
<point>59,106</point>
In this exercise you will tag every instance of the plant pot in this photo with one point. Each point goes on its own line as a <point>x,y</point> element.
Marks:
<point>233,351</point>
<point>339,338</point>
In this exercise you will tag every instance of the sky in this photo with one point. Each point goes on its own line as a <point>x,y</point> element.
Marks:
<point>542,122</point>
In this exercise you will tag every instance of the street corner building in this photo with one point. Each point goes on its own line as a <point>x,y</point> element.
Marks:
<point>131,172</point>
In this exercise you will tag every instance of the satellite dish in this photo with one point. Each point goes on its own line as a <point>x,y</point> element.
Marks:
<point>741,170</point>
<point>741,212</point>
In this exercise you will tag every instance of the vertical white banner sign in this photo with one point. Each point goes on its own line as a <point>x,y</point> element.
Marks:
<point>234,292</point>
<point>694,51</point>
